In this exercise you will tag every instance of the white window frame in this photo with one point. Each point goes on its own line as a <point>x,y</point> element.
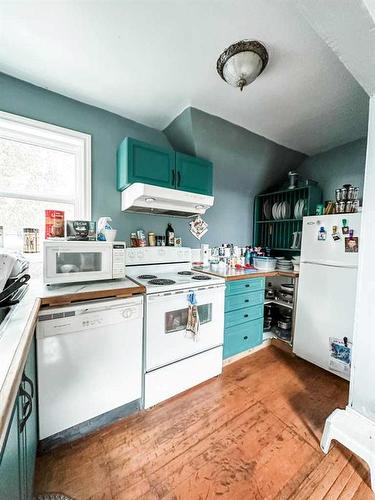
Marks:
<point>34,132</point>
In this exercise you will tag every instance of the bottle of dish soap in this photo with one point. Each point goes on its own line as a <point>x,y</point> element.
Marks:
<point>169,236</point>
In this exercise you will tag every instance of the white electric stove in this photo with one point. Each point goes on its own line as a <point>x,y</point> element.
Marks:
<point>174,360</point>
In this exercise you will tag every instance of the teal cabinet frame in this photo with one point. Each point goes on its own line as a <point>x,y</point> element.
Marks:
<point>193,174</point>
<point>18,455</point>
<point>141,162</point>
<point>138,161</point>
<point>278,234</point>
<point>11,461</point>
<point>243,318</point>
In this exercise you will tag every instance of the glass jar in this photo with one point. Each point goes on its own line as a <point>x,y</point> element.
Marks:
<point>151,239</point>
<point>30,240</point>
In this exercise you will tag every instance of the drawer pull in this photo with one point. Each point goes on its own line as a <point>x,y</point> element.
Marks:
<point>246,300</point>
<point>247,286</point>
<point>246,337</point>
<point>245,315</point>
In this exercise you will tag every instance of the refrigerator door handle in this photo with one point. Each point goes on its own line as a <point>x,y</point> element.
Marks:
<point>328,264</point>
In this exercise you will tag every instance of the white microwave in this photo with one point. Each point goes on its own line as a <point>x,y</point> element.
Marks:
<point>81,261</point>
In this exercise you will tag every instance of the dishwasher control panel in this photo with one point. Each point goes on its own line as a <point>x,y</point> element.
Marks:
<point>91,315</point>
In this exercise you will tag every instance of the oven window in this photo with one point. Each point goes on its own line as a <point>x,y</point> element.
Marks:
<point>177,320</point>
<point>78,262</point>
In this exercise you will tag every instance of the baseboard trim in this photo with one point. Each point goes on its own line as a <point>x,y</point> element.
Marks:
<point>88,427</point>
<point>244,354</point>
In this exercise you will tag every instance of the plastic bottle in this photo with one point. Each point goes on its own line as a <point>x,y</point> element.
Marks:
<point>247,256</point>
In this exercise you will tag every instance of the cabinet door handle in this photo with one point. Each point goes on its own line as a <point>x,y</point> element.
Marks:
<point>28,380</point>
<point>178,178</point>
<point>173,178</point>
<point>27,408</point>
<point>246,300</point>
<point>245,315</point>
<point>246,337</point>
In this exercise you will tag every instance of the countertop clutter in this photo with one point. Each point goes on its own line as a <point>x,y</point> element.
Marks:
<point>231,274</point>
<point>17,332</point>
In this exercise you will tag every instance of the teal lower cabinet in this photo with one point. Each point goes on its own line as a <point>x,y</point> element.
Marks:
<point>243,319</point>
<point>242,337</point>
<point>10,461</point>
<point>18,454</point>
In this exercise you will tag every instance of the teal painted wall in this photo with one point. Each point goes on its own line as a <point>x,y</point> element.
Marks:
<point>342,165</point>
<point>244,163</point>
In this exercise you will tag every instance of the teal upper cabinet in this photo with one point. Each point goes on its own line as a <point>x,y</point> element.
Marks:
<point>146,163</point>
<point>193,174</point>
<point>149,164</point>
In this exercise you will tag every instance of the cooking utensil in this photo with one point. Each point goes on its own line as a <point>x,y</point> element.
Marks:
<point>15,285</point>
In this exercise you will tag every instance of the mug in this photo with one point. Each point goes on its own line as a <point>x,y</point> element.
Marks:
<point>110,234</point>
<point>319,209</point>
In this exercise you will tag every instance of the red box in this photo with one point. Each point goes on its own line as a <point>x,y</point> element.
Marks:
<point>55,226</point>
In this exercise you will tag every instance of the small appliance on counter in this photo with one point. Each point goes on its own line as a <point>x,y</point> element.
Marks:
<point>80,261</point>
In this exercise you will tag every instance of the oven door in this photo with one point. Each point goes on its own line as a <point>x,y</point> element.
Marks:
<point>77,262</point>
<point>167,340</point>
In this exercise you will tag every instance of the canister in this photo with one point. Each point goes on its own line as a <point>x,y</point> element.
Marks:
<point>30,240</point>
<point>151,239</point>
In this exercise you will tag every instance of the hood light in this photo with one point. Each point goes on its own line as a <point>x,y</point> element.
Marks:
<point>149,200</point>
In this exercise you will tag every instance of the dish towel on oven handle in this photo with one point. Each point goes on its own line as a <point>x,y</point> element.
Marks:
<point>193,323</point>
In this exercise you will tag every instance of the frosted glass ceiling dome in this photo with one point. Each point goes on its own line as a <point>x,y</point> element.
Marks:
<point>241,63</point>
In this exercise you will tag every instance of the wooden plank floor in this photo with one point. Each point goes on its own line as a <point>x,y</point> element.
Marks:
<point>252,433</point>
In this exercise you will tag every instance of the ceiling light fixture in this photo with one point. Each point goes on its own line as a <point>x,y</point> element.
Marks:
<point>242,62</point>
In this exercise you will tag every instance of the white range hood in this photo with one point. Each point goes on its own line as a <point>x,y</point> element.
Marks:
<point>145,198</point>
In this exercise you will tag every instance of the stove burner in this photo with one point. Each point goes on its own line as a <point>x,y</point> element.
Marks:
<point>146,276</point>
<point>161,282</point>
<point>185,273</point>
<point>200,277</point>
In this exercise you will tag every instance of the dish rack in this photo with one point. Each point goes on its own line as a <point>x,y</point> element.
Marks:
<point>278,214</point>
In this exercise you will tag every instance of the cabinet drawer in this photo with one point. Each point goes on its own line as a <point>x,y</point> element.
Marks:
<point>239,301</point>
<point>240,338</point>
<point>243,315</point>
<point>241,286</point>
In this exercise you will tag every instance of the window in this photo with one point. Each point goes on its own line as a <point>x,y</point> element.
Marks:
<point>42,167</point>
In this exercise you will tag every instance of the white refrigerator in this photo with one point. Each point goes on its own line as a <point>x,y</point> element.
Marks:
<point>326,293</point>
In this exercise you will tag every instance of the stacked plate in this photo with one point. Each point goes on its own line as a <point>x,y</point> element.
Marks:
<point>281,210</point>
<point>267,209</point>
<point>299,208</point>
<point>282,264</point>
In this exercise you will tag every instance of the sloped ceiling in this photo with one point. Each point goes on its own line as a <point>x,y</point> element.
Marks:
<point>149,60</point>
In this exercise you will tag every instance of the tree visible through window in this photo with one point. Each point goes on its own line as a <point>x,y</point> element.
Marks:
<point>41,168</point>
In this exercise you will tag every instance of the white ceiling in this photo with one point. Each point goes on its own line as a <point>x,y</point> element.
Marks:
<point>148,60</point>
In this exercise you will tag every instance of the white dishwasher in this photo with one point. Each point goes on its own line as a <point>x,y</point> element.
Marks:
<point>89,361</point>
